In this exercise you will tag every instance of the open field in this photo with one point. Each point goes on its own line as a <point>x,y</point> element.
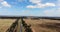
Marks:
<point>43,25</point>
<point>5,24</point>
<point>30,25</point>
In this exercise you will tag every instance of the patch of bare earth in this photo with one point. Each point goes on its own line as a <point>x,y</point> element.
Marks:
<point>44,25</point>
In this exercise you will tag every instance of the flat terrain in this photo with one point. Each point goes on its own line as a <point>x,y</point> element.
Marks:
<point>5,24</point>
<point>43,25</point>
<point>36,25</point>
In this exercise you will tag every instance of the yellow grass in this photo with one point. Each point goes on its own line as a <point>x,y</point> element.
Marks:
<point>5,24</point>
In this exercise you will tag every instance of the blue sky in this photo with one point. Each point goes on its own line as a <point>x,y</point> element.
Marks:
<point>30,8</point>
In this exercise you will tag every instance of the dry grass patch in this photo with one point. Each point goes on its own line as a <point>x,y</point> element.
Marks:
<point>44,25</point>
<point>5,24</point>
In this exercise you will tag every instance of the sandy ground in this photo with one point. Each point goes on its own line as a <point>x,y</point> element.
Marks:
<point>44,25</point>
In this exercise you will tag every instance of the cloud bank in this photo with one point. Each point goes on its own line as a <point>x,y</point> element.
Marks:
<point>5,3</point>
<point>39,4</point>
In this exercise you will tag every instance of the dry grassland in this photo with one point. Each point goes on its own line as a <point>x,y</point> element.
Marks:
<point>5,24</point>
<point>44,25</point>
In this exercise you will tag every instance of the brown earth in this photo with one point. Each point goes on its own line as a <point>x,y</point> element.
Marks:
<point>43,25</point>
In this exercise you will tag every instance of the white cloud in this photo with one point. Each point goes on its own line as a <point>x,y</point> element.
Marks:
<point>0,7</point>
<point>30,6</point>
<point>4,3</point>
<point>40,5</point>
<point>52,12</point>
<point>49,4</point>
<point>35,1</point>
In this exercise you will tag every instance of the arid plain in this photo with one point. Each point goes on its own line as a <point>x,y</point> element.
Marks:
<point>43,25</point>
<point>36,25</point>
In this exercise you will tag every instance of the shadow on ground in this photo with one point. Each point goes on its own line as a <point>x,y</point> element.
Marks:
<point>26,27</point>
<point>13,26</point>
